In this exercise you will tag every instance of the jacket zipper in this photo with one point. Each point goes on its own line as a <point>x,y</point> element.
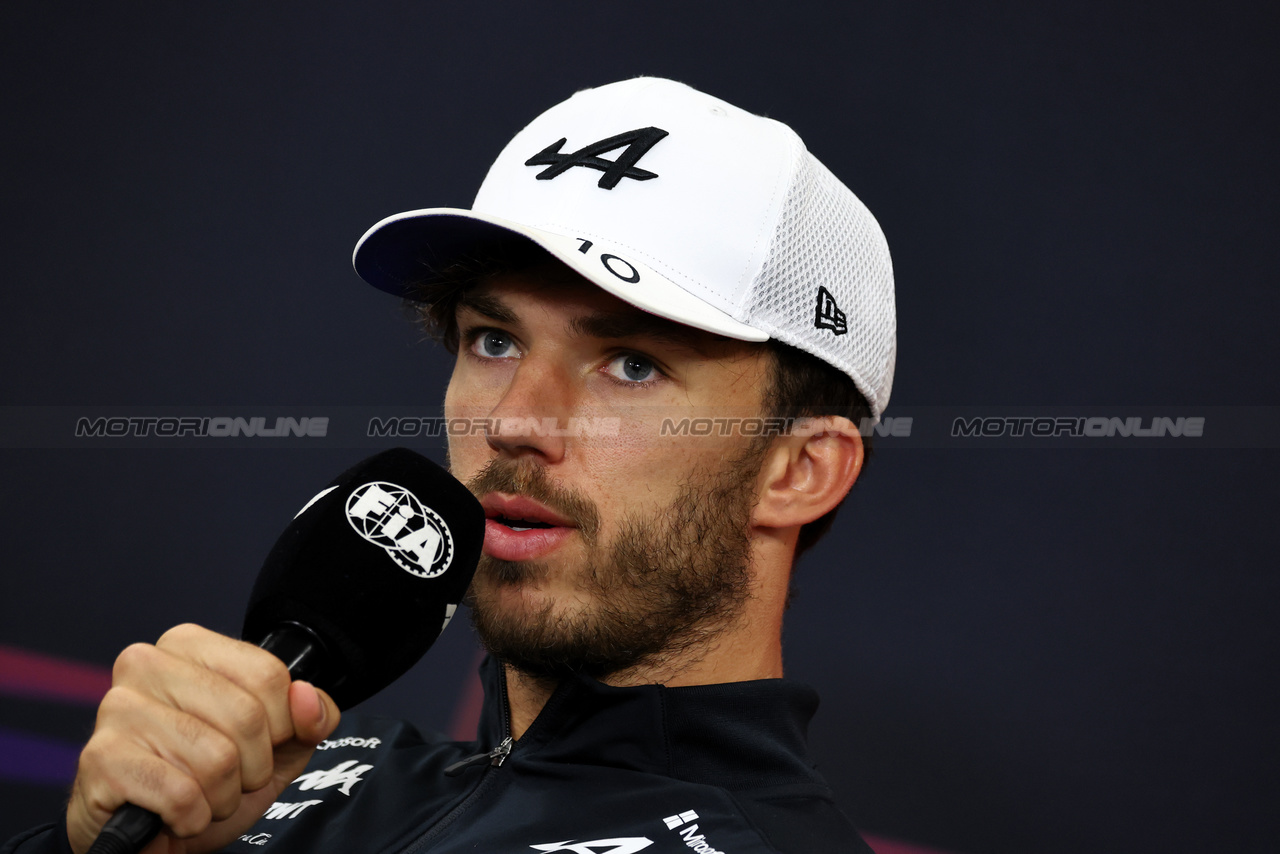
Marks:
<point>494,758</point>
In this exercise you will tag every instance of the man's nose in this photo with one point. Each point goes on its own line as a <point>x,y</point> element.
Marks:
<point>533,412</point>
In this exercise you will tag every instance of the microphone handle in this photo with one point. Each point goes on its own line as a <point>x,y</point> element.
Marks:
<point>131,827</point>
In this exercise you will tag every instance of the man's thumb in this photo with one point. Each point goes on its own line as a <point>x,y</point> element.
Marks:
<point>314,713</point>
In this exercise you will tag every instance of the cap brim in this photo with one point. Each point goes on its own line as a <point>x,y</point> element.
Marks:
<point>410,249</point>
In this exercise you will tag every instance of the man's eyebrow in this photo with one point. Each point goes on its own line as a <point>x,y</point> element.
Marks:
<point>629,324</point>
<point>488,306</point>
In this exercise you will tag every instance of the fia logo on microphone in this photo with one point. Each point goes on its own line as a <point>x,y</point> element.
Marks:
<point>412,534</point>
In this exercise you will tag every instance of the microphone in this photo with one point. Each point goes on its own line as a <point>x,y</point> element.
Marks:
<point>355,591</point>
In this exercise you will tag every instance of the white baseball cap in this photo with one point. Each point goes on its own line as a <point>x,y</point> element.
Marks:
<point>684,206</point>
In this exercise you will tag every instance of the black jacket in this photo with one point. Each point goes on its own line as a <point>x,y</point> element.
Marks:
<point>711,768</point>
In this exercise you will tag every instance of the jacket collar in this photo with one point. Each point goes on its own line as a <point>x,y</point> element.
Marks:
<point>736,734</point>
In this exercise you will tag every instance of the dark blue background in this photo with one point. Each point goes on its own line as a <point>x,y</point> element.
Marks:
<point>1019,649</point>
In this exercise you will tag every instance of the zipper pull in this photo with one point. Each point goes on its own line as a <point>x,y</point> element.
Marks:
<point>494,757</point>
<point>499,754</point>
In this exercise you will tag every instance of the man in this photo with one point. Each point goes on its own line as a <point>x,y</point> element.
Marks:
<point>669,282</point>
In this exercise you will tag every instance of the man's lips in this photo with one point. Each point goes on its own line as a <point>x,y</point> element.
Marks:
<point>541,529</point>
<point>499,504</point>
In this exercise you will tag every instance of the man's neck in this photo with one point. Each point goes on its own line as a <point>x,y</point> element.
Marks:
<point>526,695</point>
<point>748,647</point>
<point>745,651</point>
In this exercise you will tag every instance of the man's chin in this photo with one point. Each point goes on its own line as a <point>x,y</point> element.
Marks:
<point>655,590</point>
<point>494,573</point>
<point>524,626</point>
<point>522,593</point>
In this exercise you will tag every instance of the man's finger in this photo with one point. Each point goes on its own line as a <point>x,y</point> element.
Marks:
<point>250,667</point>
<point>202,694</point>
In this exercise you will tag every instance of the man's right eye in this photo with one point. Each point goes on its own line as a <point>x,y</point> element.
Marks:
<point>493,344</point>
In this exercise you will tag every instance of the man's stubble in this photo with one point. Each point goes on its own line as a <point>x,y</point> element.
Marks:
<point>659,589</point>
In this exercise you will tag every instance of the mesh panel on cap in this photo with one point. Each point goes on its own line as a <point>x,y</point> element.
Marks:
<point>826,237</point>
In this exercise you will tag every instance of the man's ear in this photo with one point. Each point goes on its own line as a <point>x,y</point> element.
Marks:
<point>808,472</point>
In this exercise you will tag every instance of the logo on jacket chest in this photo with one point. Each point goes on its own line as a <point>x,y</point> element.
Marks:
<point>619,845</point>
<point>684,825</point>
<point>344,775</point>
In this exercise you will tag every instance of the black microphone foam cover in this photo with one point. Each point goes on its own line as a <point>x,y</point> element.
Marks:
<point>374,566</point>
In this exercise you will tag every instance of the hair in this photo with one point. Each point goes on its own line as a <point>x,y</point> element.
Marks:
<point>802,384</point>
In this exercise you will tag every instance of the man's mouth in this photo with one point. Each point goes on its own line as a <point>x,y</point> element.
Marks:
<point>520,528</point>
<point>521,524</point>
<point>520,511</point>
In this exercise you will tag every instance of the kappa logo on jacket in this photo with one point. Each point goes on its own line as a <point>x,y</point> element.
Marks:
<point>343,774</point>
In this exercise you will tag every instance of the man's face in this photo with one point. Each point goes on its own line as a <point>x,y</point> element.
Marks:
<point>610,542</point>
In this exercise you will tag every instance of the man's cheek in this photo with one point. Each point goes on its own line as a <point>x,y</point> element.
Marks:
<point>466,426</point>
<point>468,454</point>
<point>630,435</point>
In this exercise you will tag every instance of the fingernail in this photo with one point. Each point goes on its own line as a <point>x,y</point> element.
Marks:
<point>324,709</point>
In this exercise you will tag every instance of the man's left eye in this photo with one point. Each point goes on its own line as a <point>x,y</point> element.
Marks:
<point>494,344</point>
<point>632,367</point>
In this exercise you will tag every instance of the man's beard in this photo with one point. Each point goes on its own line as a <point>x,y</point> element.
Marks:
<point>661,587</point>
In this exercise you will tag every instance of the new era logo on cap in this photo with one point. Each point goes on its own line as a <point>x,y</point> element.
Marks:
<point>829,315</point>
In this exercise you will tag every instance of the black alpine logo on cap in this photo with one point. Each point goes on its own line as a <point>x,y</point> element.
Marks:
<point>638,142</point>
<point>829,315</point>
